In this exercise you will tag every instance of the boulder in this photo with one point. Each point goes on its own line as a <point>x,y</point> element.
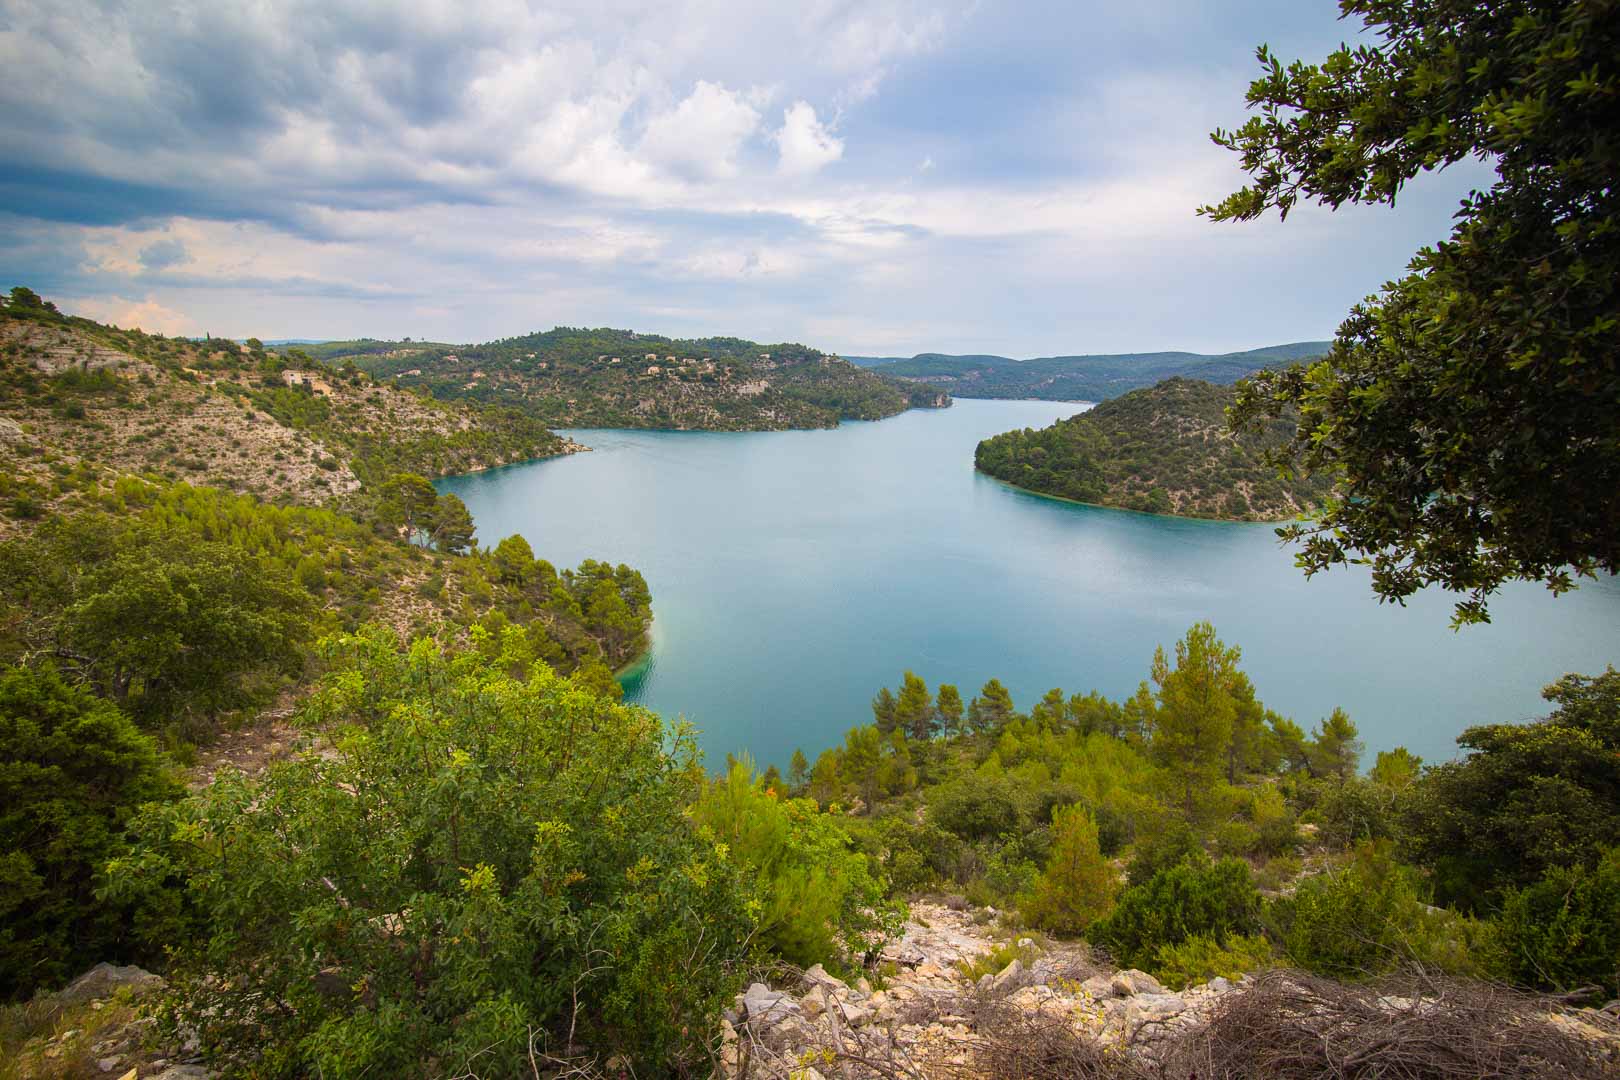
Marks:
<point>814,1003</point>
<point>763,1005</point>
<point>1131,981</point>
<point>817,976</point>
<point>1008,977</point>
<point>101,980</point>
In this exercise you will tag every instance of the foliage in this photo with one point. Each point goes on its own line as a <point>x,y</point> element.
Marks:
<point>1077,886</point>
<point>1164,449</point>
<point>1200,958</point>
<point>1470,406</point>
<point>1369,917</point>
<point>820,902</point>
<point>1196,897</point>
<point>73,769</point>
<point>1563,932</point>
<point>482,863</point>
<point>1167,848</point>
<point>160,620</point>
<point>1531,797</point>
<point>577,377</point>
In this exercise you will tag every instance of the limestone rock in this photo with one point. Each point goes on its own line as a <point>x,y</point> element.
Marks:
<point>763,1005</point>
<point>1131,981</point>
<point>101,980</point>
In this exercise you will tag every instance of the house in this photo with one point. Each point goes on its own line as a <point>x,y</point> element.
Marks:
<point>615,360</point>
<point>452,358</point>
<point>314,382</point>
<point>651,357</point>
<point>654,370</point>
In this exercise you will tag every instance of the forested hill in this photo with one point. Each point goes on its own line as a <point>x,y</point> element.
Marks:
<point>570,377</point>
<point>1165,449</point>
<point>1080,378</point>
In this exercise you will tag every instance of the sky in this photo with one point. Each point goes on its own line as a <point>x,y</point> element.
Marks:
<point>882,177</point>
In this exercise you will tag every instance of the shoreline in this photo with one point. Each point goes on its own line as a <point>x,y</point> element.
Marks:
<point>1144,513</point>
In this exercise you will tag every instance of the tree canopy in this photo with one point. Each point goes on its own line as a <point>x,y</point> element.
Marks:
<point>1471,404</point>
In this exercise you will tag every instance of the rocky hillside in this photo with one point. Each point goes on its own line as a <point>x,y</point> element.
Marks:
<point>77,395</point>
<point>1165,449</point>
<point>618,378</point>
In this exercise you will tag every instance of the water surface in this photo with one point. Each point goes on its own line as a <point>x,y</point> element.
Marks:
<point>794,573</point>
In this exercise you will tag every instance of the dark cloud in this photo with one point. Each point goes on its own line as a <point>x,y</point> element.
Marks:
<point>163,254</point>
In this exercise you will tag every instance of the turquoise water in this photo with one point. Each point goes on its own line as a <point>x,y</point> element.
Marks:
<point>794,573</point>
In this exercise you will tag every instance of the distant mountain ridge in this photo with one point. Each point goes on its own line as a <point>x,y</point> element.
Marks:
<point>1095,377</point>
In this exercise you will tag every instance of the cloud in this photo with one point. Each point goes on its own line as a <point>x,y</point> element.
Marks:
<point>163,254</point>
<point>804,144</point>
<point>701,136</point>
<point>148,315</point>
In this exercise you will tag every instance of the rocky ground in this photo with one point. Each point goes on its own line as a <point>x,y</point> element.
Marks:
<point>1058,1010</point>
<point>94,1028</point>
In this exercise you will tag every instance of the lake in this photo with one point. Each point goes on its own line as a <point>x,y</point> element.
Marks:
<point>795,573</point>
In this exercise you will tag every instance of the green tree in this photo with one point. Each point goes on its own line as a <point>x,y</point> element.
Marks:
<point>1563,932</point>
<point>73,770</point>
<point>1193,723</point>
<point>992,710</point>
<point>798,770</point>
<point>1335,748</point>
<point>914,709</point>
<point>1528,799</point>
<point>1195,898</point>
<point>408,502</point>
<point>883,706</point>
<point>949,706</point>
<point>862,763</point>
<point>1468,410</point>
<point>1396,769</point>
<point>514,560</point>
<point>452,525</point>
<point>478,862</point>
<point>1077,886</point>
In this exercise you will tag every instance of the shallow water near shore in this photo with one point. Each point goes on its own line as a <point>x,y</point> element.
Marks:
<point>794,573</point>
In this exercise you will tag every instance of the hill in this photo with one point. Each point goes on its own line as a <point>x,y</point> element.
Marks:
<point>570,377</point>
<point>117,445</point>
<point>1164,449</point>
<point>1080,378</point>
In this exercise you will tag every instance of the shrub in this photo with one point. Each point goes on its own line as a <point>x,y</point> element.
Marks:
<point>1077,887</point>
<point>1163,851</point>
<point>73,769</point>
<point>819,901</point>
<point>1196,897</point>
<point>480,862</point>
<point>977,807</point>
<point>1201,958</point>
<point>1369,917</point>
<point>1564,931</point>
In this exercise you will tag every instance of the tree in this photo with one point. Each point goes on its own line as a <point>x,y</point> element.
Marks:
<point>408,502</point>
<point>1467,411</point>
<point>1050,712</point>
<point>992,710</point>
<point>798,770</point>
<point>1529,799</point>
<point>478,862</point>
<point>73,771</point>
<point>1195,713</point>
<point>949,706</point>
<point>1335,749</point>
<point>1077,886</point>
<point>1396,769</point>
<point>883,706</point>
<point>914,710</point>
<point>452,525</point>
<point>514,560</point>
<point>862,763</point>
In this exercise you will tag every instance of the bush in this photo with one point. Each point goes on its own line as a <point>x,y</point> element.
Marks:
<point>1196,897</point>
<point>1564,931</point>
<point>1201,958</point>
<point>73,769</point>
<point>1369,917</point>
<point>480,862</point>
<point>1078,885</point>
<point>820,901</point>
<point>977,807</point>
<point>1168,849</point>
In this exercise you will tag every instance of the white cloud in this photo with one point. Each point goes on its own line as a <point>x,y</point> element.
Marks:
<point>148,315</point>
<point>701,136</point>
<point>804,143</point>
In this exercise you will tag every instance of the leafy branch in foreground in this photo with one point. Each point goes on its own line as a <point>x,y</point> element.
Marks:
<point>1471,405</point>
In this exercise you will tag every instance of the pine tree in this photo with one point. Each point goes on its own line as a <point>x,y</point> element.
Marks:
<point>1077,886</point>
<point>949,706</point>
<point>914,711</point>
<point>992,710</point>
<point>1194,719</point>
<point>883,710</point>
